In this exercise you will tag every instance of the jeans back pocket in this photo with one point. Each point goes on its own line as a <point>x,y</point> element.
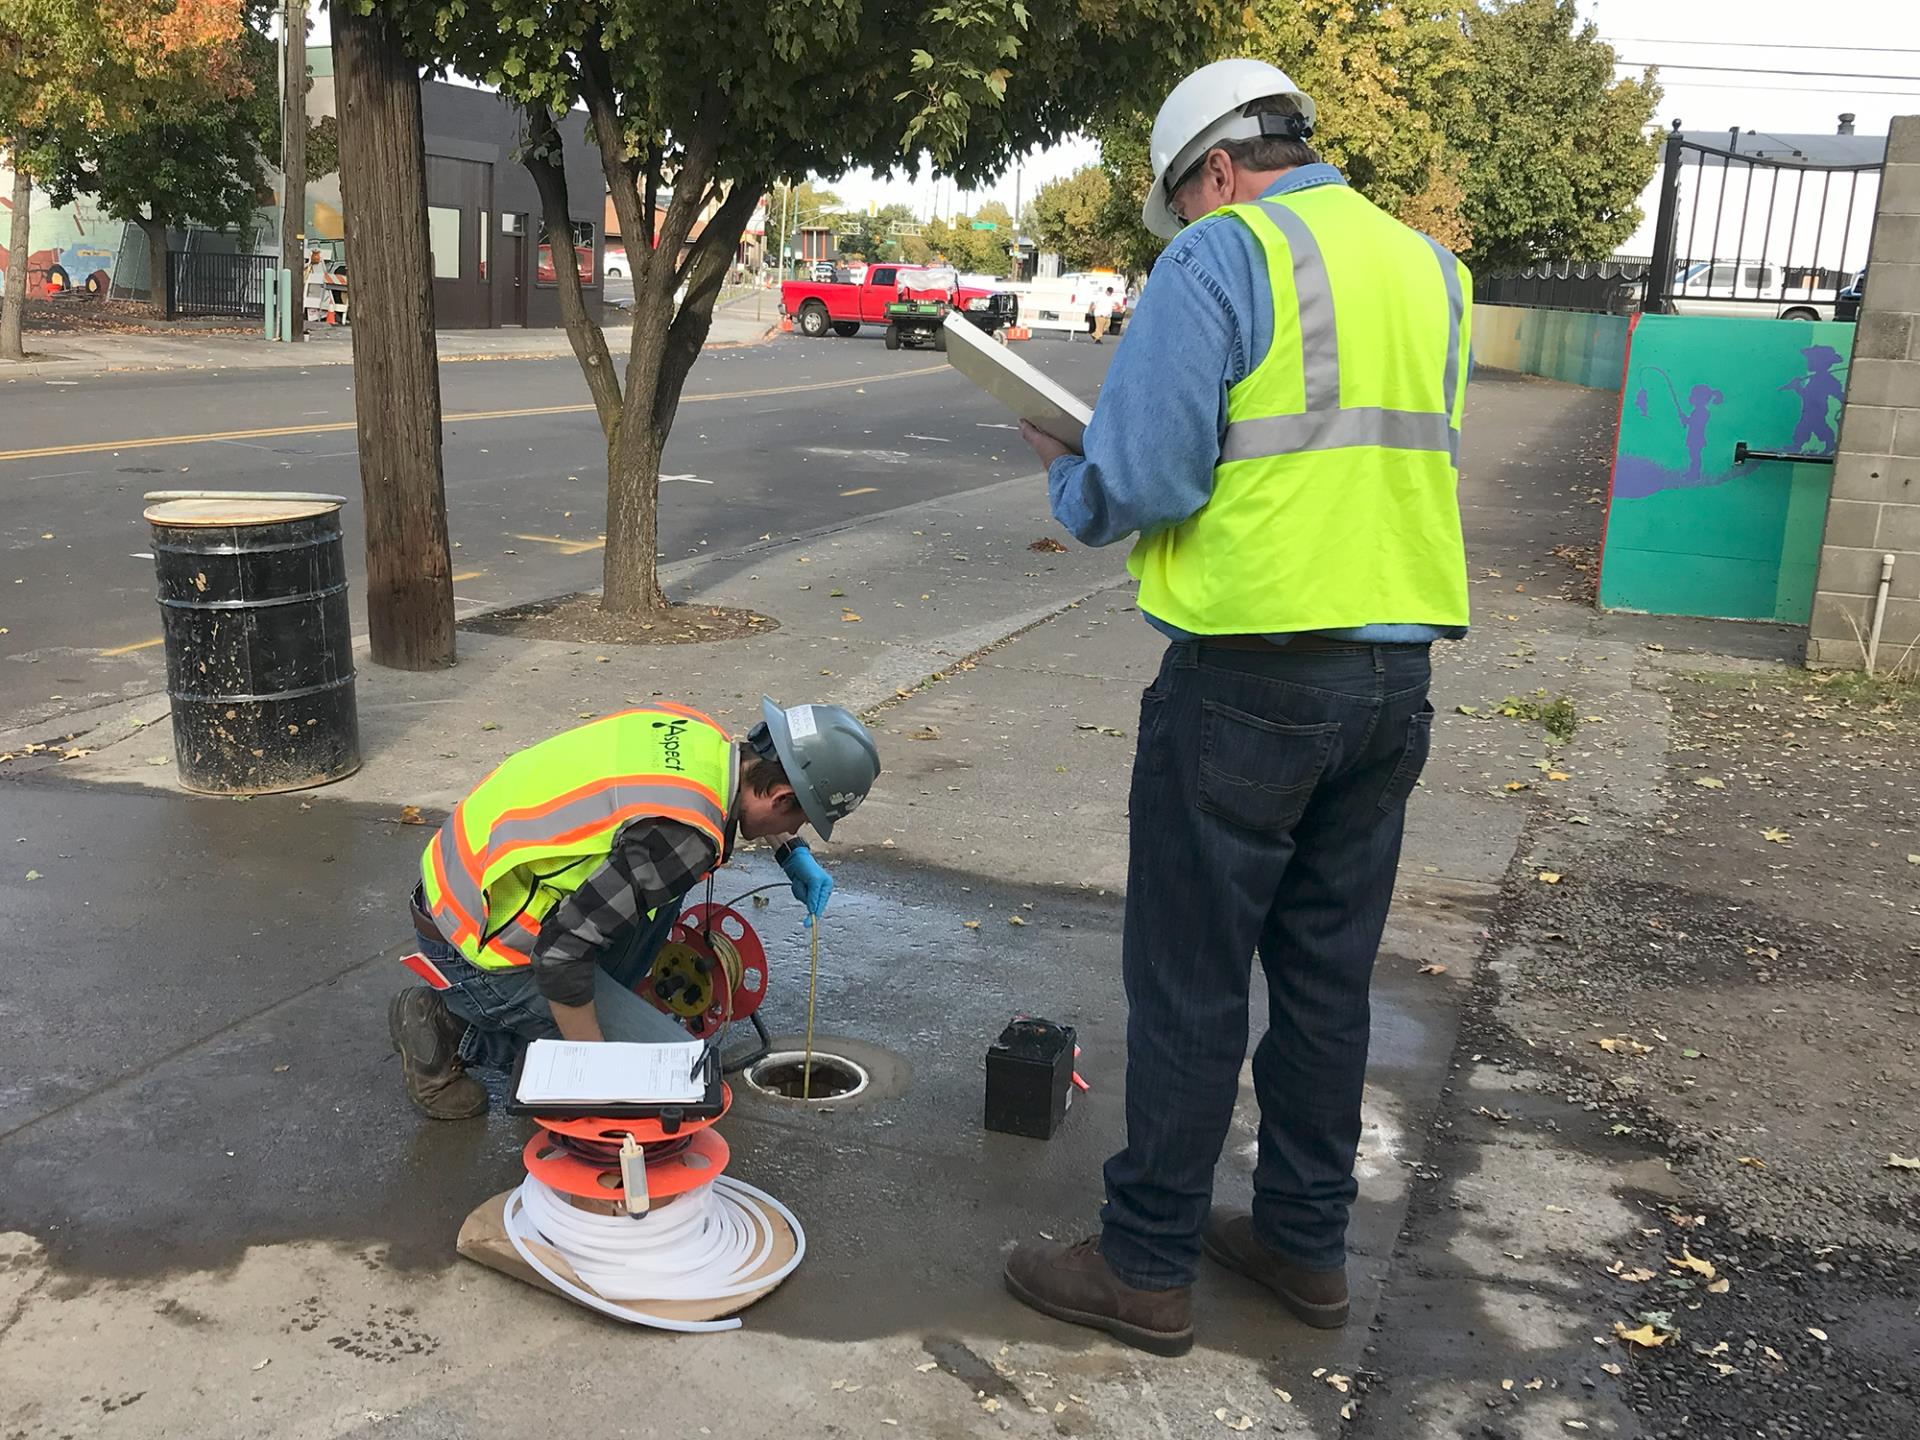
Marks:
<point>1413,759</point>
<point>1259,774</point>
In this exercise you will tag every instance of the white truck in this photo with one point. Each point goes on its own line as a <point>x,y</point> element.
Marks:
<point>1747,288</point>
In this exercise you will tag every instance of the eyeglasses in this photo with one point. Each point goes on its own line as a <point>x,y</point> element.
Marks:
<point>1174,187</point>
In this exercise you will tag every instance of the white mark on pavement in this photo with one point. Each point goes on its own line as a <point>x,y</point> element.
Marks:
<point>885,457</point>
<point>63,382</point>
<point>937,439</point>
<point>60,475</point>
<point>685,479</point>
<point>140,555</point>
<point>993,425</point>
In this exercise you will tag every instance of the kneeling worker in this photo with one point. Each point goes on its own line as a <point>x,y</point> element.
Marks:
<point>548,892</point>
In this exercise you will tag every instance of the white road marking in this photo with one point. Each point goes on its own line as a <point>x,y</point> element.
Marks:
<point>685,479</point>
<point>937,439</point>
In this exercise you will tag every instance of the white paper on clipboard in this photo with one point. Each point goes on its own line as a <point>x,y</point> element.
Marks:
<point>1025,391</point>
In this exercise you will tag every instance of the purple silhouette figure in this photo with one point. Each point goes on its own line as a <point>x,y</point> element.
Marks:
<point>1694,421</point>
<point>1818,389</point>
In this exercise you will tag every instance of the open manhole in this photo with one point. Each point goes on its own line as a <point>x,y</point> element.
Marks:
<point>783,1076</point>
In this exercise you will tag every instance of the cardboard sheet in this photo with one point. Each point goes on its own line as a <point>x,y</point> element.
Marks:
<point>483,1238</point>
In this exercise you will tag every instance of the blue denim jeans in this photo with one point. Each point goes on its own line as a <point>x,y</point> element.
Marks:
<point>504,1010</point>
<point>1269,792</point>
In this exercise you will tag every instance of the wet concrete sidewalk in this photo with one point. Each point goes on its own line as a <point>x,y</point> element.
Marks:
<point>222,1213</point>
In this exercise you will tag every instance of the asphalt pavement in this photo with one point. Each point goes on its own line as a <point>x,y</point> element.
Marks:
<point>772,441</point>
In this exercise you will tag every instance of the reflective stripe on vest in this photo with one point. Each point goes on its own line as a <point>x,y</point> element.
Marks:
<point>533,831</point>
<point>1334,502</point>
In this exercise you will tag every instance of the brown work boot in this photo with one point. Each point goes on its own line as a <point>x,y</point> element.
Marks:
<point>427,1035</point>
<point>1318,1297</point>
<point>1074,1283</point>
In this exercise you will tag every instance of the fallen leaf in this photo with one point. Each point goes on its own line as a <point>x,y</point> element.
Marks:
<point>1718,1349</point>
<point>1816,1332</point>
<point>1707,782</point>
<point>1433,967</point>
<point>836,594</point>
<point>1575,1424</point>
<point>1047,545</point>
<point>1720,1286</point>
<point>1102,730</point>
<point>1245,1422</point>
<point>1549,877</point>
<point>1339,1382</point>
<point>1611,1368</point>
<point>1466,709</point>
<point>1722,1368</point>
<point>923,1369</point>
<point>1514,785</point>
<point>1286,1397</point>
<point>1911,859</point>
<point>1346,1410</point>
<point>1771,1353</point>
<point>760,902</point>
<point>990,1405</point>
<point>488,725</point>
<point>1903,1162</point>
<point>1689,1054</point>
<point>410,815</point>
<point>1558,775</point>
<point>281,1069</point>
<point>1506,1384</point>
<point>1635,1277</point>
<point>925,732</point>
<point>1778,837</point>
<point>1644,1336</point>
<point>1690,1261</point>
<point>33,874</point>
<point>1754,1160</point>
<point>262,1364</point>
<point>847,617</point>
<point>156,760</point>
<point>1622,1045</point>
<point>971,924</point>
<point>1533,1384</point>
<point>1015,920</point>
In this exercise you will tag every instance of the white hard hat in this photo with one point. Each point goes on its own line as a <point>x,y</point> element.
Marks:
<point>1203,110</point>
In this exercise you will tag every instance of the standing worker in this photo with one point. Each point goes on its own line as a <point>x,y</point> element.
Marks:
<point>1281,427</point>
<point>546,895</point>
<point>1102,314</point>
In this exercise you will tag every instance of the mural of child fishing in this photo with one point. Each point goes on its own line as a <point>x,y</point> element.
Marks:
<point>1694,421</point>
<point>1820,390</point>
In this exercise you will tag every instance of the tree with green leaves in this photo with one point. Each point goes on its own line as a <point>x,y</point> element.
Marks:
<point>715,100</point>
<point>1067,217</point>
<point>1557,150</point>
<point>199,159</point>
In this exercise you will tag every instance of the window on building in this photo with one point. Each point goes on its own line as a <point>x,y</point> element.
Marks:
<point>582,250</point>
<point>443,237</point>
<point>486,241</point>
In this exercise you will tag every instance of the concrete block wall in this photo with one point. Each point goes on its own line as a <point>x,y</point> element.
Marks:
<point>1875,506</point>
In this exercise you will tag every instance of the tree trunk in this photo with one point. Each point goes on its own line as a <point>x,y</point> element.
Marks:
<point>293,167</point>
<point>14,308</point>
<point>156,233</point>
<point>395,369</point>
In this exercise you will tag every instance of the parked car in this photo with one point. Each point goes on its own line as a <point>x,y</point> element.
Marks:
<point>1746,288</point>
<point>1846,305</point>
<point>818,306</point>
<point>614,260</point>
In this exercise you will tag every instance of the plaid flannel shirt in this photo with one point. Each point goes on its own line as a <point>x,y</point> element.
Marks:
<point>652,861</point>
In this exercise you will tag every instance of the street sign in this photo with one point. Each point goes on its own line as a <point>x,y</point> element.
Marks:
<point>986,225</point>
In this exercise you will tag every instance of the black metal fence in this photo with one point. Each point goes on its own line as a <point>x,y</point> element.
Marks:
<point>203,282</point>
<point>1759,224</point>
<point>1603,287</point>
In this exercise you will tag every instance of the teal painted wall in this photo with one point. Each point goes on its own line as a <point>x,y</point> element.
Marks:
<point>1688,531</point>
<point>1566,345</point>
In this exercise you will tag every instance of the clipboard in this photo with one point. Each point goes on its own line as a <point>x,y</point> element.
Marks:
<point>669,1113</point>
<point>1027,392</point>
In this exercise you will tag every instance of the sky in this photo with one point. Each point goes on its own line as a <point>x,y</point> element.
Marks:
<point>1712,81</point>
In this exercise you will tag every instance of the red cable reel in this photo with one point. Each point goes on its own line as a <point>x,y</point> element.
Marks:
<point>712,969</point>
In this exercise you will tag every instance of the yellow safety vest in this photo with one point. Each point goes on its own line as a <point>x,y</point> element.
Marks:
<point>1335,501</point>
<point>533,831</point>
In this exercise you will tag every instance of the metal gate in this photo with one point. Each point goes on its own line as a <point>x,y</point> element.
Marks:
<point>1757,225</point>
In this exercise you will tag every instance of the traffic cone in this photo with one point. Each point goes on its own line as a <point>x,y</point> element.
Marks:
<point>786,324</point>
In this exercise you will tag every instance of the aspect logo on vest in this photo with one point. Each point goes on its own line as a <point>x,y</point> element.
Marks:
<point>670,744</point>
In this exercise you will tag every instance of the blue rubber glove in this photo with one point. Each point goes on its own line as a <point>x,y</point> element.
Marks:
<point>811,884</point>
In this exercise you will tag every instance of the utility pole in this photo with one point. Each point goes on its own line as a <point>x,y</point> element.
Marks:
<point>293,158</point>
<point>786,199</point>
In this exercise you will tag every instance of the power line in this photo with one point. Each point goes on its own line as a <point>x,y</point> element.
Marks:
<point>1756,70</point>
<point>1757,45</point>
<point>1791,89</point>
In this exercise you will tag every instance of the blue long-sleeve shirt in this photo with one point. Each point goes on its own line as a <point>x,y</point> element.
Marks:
<point>1200,328</point>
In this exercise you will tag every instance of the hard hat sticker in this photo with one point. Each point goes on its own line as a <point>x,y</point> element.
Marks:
<point>800,722</point>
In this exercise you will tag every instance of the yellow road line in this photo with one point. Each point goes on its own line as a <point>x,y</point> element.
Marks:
<point>275,432</point>
<point>565,546</point>
<point>468,575</point>
<point>863,490</point>
<point>129,649</point>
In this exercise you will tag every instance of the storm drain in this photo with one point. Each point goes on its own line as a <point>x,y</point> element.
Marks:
<point>782,1075</point>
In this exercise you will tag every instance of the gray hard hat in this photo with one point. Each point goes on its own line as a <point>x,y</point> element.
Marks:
<point>829,757</point>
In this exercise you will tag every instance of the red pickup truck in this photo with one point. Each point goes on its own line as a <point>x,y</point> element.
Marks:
<point>821,305</point>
